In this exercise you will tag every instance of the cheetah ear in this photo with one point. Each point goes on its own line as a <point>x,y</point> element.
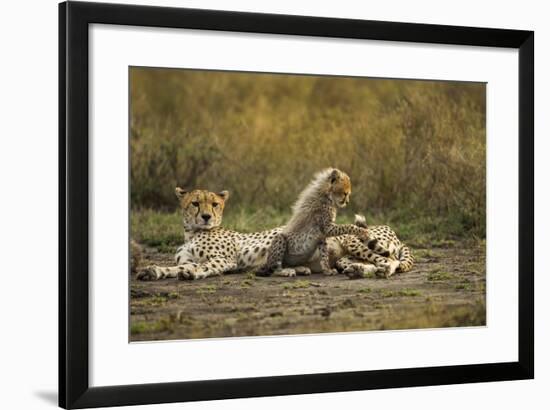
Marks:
<point>180,192</point>
<point>224,195</point>
<point>334,175</point>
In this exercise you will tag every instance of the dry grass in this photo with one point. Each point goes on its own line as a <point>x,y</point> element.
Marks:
<point>414,149</point>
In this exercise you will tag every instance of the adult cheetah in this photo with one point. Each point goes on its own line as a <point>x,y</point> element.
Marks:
<point>383,254</point>
<point>209,249</point>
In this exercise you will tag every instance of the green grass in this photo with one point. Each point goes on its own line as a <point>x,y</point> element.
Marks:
<point>298,284</point>
<point>160,230</point>
<point>425,254</point>
<point>439,276</point>
<point>149,327</point>
<point>154,301</point>
<point>409,292</point>
<point>163,230</point>
<point>247,283</point>
<point>401,292</point>
<point>206,289</point>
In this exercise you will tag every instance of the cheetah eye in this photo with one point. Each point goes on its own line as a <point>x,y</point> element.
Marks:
<point>215,205</point>
<point>195,204</point>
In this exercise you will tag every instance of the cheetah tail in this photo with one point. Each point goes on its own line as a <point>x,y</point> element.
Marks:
<point>361,221</point>
<point>406,259</point>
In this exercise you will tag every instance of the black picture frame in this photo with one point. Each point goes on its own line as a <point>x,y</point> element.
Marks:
<point>74,20</point>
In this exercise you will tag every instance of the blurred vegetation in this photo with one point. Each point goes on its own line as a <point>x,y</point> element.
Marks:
<point>415,150</point>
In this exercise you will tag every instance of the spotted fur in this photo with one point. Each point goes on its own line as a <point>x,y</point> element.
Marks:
<point>312,222</point>
<point>209,249</point>
<point>383,254</point>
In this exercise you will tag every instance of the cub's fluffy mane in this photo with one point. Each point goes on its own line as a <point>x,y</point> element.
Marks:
<point>314,195</point>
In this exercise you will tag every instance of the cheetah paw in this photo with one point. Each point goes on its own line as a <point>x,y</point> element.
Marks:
<point>383,270</point>
<point>331,272</point>
<point>187,272</point>
<point>360,271</point>
<point>303,271</point>
<point>149,273</point>
<point>286,272</point>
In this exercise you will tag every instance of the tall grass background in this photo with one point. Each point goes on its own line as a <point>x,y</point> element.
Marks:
<point>415,150</point>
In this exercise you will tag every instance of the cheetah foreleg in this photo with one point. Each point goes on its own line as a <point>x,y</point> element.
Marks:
<point>285,273</point>
<point>275,255</point>
<point>154,272</point>
<point>355,269</point>
<point>324,259</point>
<point>213,267</point>
<point>332,229</point>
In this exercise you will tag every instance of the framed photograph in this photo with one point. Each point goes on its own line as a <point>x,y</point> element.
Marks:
<point>256,204</point>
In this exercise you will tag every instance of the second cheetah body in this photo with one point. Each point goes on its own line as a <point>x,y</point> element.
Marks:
<point>383,254</point>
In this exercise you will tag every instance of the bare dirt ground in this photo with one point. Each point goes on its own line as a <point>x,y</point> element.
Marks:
<point>446,288</point>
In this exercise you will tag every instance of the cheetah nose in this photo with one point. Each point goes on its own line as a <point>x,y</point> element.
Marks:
<point>206,217</point>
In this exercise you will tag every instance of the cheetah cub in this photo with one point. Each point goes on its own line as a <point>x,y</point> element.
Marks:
<point>312,222</point>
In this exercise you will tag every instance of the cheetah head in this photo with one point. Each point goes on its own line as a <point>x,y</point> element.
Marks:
<point>201,209</point>
<point>340,188</point>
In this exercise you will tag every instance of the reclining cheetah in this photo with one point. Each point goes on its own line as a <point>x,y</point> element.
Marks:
<point>209,249</point>
<point>383,254</point>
